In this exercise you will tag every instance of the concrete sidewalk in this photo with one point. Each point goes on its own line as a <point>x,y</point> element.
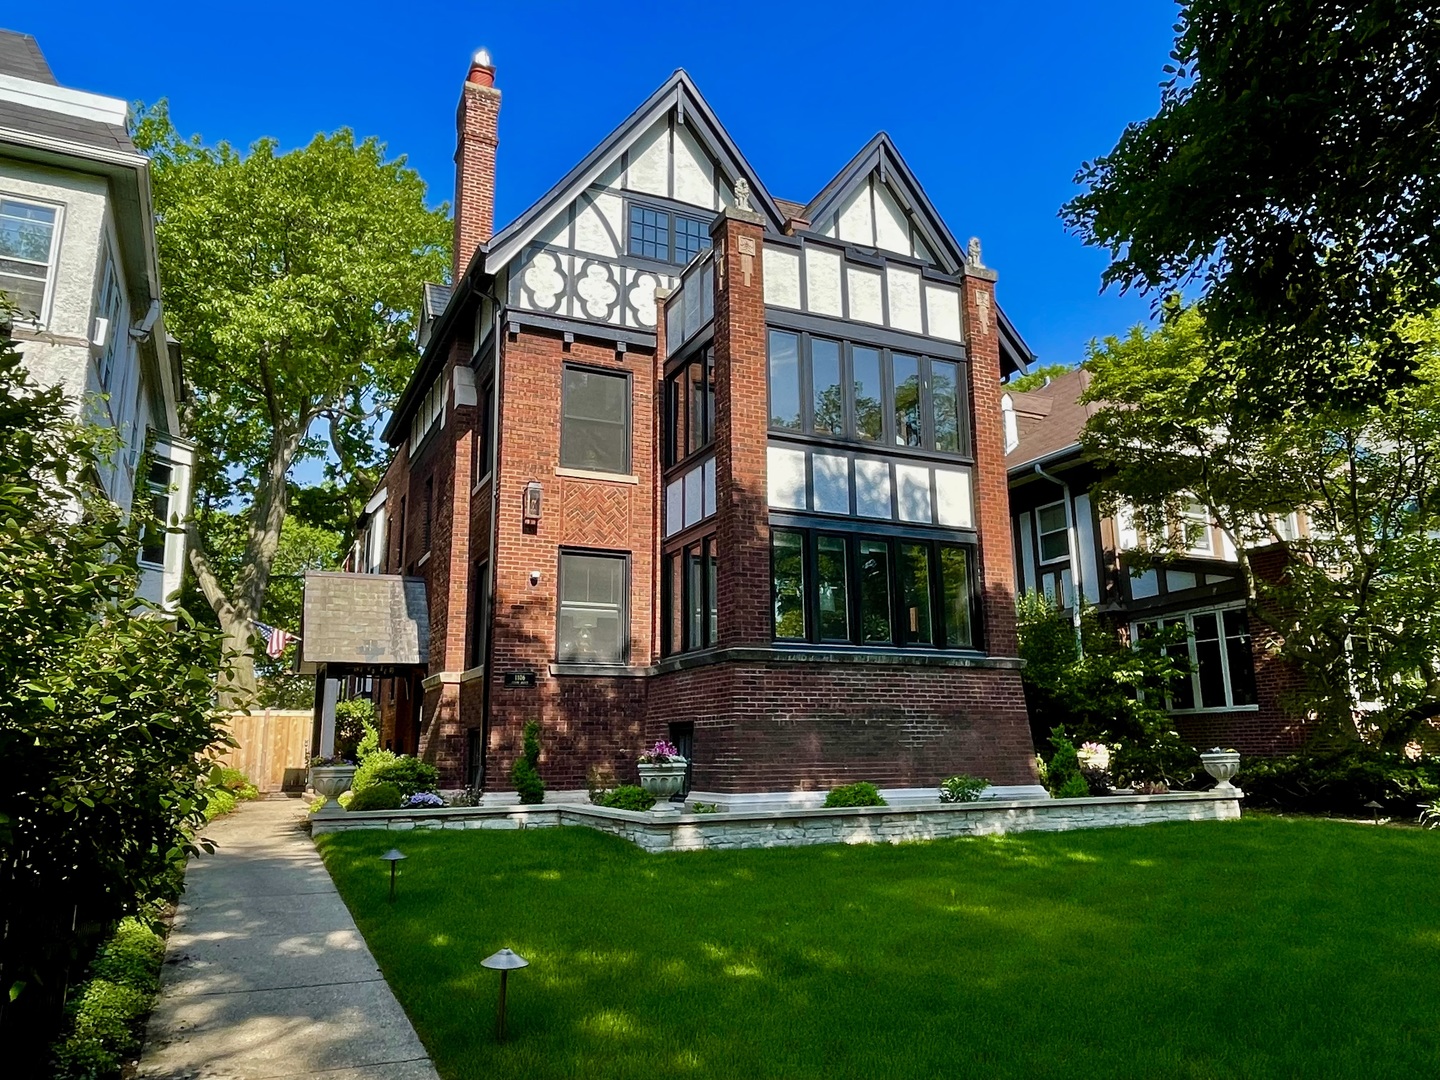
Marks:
<point>265,973</point>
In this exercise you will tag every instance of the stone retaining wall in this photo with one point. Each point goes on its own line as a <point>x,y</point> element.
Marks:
<point>793,828</point>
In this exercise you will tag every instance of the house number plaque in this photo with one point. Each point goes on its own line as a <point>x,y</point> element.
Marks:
<point>519,680</point>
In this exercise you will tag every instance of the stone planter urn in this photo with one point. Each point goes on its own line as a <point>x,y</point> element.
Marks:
<point>1222,765</point>
<point>332,781</point>
<point>662,781</point>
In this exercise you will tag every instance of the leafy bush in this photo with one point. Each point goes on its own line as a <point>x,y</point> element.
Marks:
<point>1340,782</point>
<point>1100,689</point>
<point>408,774</point>
<point>235,782</point>
<point>1063,773</point>
<point>355,728</point>
<point>218,803</point>
<point>599,779</point>
<point>705,808</point>
<point>861,794</point>
<point>422,800</point>
<point>525,774</point>
<point>1095,767</point>
<point>379,796</point>
<point>105,1016</point>
<point>628,797</point>
<point>962,788</point>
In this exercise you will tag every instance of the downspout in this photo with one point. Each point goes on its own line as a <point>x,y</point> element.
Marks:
<point>1072,537</point>
<point>493,562</point>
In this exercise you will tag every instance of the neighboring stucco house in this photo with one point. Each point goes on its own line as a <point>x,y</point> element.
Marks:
<point>683,460</point>
<point>1236,695</point>
<point>78,257</point>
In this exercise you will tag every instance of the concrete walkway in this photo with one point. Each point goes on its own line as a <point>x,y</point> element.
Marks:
<point>265,973</point>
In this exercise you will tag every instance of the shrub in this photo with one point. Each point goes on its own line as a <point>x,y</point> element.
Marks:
<point>379,796</point>
<point>235,782</point>
<point>599,779</point>
<point>422,800</point>
<point>104,1017</point>
<point>408,774</point>
<point>218,803</point>
<point>355,726</point>
<point>705,808</point>
<point>1063,771</point>
<point>962,788</point>
<point>525,774</point>
<point>861,794</point>
<point>628,797</point>
<point>1094,761</point>
<point>1340,782</point>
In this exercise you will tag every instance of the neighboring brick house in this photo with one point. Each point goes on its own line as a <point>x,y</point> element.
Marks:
<point>1238,694</point>
<point>684,460</point>
<point>78,258</point>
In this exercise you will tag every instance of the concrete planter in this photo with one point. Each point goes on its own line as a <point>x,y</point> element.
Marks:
<point>331,780</point>
<point>662,781</point>
<point>1222,765</point>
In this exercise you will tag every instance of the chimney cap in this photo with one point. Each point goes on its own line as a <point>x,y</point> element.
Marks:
<point>482,59</point>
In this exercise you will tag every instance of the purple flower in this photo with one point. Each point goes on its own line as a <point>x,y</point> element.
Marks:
<point>659,754</point>
<point>422,799</point>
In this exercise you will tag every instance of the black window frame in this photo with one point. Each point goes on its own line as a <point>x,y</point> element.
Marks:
<point>615,373</point>
<point>901,637</point>
<point>670,215</point>
<point>483,438</point>
<point>677,402</point>
<point>154,537</point>
<point>623,614</point>
<point>678,606</point>
<point>480,613</point>
<point>850,436</point>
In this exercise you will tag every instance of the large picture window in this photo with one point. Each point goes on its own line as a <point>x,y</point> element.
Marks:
<point>666,236</point>
<point>1217,653</point>
<point>838,389</point>
<point>593,590</point>
<point>595,420</point>
<point>851,590</point>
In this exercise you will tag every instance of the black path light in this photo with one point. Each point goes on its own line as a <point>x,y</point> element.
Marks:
<point>1374,808</point>
<point>504,962</point>
<point>392,856</point>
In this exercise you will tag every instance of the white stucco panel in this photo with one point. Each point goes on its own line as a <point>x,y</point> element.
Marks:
<point>903,287</point>
<point>942,309</point>
<point>912,490</point>
<point>694,172</point>
<point>832,483</point>
<point>782,277</point>
<point>892,230</point>
<point>866,302</point>
<point>822,280</point>
<point>649,170</point>
<point>856,225</point>
<point>952,498</point>
<point>872,488</point>
<point>600,223</point>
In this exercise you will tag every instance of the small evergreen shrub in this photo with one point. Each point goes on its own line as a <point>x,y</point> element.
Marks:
<point>379,796</point>
<point>628,797</point>
<point>525,774</point>
<point>1341,782</point>
<point>355,725</point>
<point>367,772</point>
<point>962,788</point>
<point>861,794</point>
<point>1063,772</point>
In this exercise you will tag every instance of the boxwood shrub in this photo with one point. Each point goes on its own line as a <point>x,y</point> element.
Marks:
<point>381,796</point>
<point>627,797</point>
<point>861,794</point>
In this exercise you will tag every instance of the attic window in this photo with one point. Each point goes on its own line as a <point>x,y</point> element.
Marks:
<point>666,237</point>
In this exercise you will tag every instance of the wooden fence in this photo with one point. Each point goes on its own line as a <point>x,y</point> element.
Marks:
<point>274,747</point>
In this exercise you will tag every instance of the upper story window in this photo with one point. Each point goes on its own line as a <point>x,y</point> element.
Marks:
<point>690,408</point>
<point>840,389</point>
<point>1196,535</point>
<point>1054,531</point>
<point>27,253</point>
<point>109,314</point>
<point>666,236</point>
<point>152,540</point>
<point>430,413</point>
<point>595,420</point>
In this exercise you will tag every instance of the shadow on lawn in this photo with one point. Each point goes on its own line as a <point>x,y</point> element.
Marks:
<point>1199,950</point>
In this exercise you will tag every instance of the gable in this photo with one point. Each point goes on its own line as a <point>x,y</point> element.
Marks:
<point>629,216</point>
<point>876,202</point>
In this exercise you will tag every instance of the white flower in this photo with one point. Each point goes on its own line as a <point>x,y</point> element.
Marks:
<point>1094,755</point>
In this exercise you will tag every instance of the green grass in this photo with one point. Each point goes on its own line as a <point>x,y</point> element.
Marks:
<point>1264,947</point>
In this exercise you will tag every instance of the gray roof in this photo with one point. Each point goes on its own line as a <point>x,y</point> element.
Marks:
<point>75,129</point>
<point>364,620</point>
<point>436,298</point>
<point>21,57</point>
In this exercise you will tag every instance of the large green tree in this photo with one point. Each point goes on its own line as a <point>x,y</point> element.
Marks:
<point>1292,175</point>
<point>292,281</point>
<point>1359,604</point>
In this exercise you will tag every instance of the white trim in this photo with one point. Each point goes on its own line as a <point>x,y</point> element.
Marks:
<point>62,99</point>
<point>377,500</point>
<point>52,267</point>
<point>1041,533</point>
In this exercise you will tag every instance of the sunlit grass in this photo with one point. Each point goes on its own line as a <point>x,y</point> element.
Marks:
<point>1259,948</point>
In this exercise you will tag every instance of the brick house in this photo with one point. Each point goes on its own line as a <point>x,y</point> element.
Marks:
<point>683,460</point>
<point>1238,691</point>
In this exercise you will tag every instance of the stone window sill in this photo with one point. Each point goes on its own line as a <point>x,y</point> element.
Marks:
<point>603,477</point>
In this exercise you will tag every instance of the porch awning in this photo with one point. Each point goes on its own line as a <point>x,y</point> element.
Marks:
<point>363,623</point>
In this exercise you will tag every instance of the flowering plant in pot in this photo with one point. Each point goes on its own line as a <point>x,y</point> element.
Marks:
<point>662,770</point>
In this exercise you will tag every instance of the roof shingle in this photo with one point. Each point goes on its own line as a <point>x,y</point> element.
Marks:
<point>21,57</point>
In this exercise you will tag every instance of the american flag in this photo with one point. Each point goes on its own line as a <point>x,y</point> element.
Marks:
<point>275,639</point>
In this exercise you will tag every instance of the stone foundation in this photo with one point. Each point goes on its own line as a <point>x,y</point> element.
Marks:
<point>657,832</point>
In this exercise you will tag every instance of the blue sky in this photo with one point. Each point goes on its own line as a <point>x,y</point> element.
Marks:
<point>993,105</point>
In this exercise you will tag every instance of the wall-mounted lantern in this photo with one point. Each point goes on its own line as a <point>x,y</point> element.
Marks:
<point>530,507</point>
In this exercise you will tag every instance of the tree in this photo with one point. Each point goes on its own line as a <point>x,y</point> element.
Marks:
<point>1038,378</point>
<point>1293,174</point>
<point>1358,603</point>
<point>106,720</point>
<point>291,280</point>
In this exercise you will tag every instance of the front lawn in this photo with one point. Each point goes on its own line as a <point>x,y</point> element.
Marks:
<point>1263,947</point>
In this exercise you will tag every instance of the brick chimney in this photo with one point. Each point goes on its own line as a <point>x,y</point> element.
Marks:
<point>476,136</point>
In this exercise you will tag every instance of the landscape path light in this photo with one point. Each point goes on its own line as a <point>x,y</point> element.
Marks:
<point>392,856</point>
<point>504,962</point>
<point>1374,808</point>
